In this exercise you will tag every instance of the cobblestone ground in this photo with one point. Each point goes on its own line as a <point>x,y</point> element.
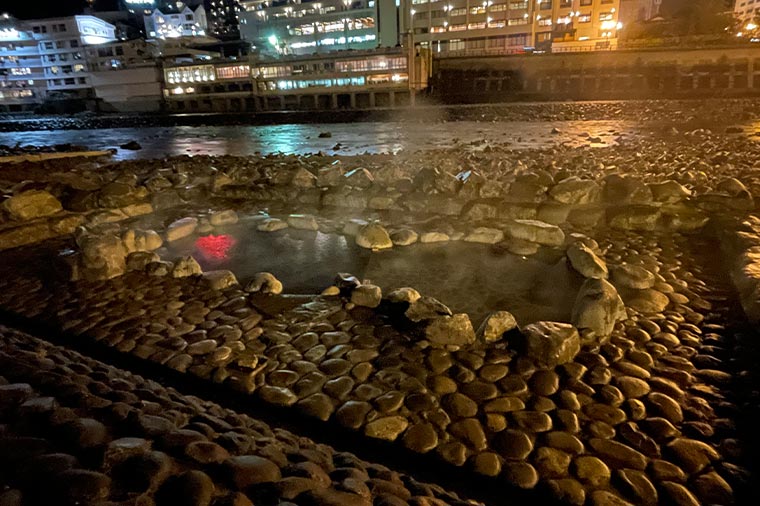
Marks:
<point>661,414</point>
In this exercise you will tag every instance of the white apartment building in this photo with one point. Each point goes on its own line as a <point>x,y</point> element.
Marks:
<point>22,78</point>
<point>46,58</point>
<point>62,46</point>
<point>177,20</point>
<point>474,27</point>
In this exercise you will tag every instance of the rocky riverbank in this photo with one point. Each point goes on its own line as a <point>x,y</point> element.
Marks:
<point>637,398</point>
<point>681,112</point>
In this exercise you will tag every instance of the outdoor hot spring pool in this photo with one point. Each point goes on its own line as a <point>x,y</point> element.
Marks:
<point>470,278</point>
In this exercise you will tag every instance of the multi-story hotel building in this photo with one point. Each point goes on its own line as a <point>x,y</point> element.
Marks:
<point>303,27</point>
<point>462,27</point>
<point>22,78</point>
<point>46,58</point>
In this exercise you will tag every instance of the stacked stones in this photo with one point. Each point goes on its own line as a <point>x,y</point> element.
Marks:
<point>96,435</point>
<point>527,407</point>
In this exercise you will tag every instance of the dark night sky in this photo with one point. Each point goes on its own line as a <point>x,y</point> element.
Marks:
<point>28,9</point>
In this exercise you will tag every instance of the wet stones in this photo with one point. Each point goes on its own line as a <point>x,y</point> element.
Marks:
<point>387,428</point>
<point>404,237</point>
<point>632,276</point>
<point>496,325</point>
<point>271,225</point>
<point>536,232</point>
<point>692,455</point>
<point>618,455</point>
<point>586,262</point>
<point>247,470</point>
<point>264,282</point>
<point>186,267</point>
<point>367,295</point>
<point>549,344</point>
<point>647,301</point>
<point>303,222</point>
<point>576,191</point>
<point>32,204</point>
<point>597,308</point>
<point>373,236</point>
<point>181,228</point>
<point>485,235</point>
<point>219,280</point>
<point>513,444</point>
<point>223,218</point>
<point>421,438</point>
<point>453,330</point>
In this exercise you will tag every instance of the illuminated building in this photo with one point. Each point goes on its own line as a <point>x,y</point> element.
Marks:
<point>477,27</point>
<point>223,18</point>
<point>299,27</point>
<point>46,58</point>
<point>349,80</point>
<point>176,20</point>
<point>747,11</point>
<point>22,78</point>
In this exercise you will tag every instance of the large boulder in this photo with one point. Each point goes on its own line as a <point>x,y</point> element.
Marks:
<point>669,192</point>
<point>302,178</point>
<point>186,267</point>
<point>632,276</point>
<point>32,204</point>
<point>586,262</point>
<point>303,222</point>
<point>496,325</point>
<point>485,235</point>
<point>647,301</point>
<point>264,282</point>
<point>374,236</point>
<point>141,240</point>
<point>549,344</point>
<point>574,190</point>
<point>537,232</point>
<point>367,296</point>
<point>597,308</point>
<point>426,308</point>
<point>220,280</point>
<point>221,218</point>
<point>634,217</point>
<point>106,253</point>
<point>453,330</point>
<point>181,228</point>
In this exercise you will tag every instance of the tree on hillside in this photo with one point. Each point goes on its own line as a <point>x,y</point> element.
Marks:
<point>697,17</point>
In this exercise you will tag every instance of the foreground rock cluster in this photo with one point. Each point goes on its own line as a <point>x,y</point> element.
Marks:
<point>97,435</point>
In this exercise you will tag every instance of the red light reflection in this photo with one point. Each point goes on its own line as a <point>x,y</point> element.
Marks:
<point>216,247</point>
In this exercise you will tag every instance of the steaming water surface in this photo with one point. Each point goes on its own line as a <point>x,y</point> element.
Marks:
<point>348,138</point>
<point>470,278</point>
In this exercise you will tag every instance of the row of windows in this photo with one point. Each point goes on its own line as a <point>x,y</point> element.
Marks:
<point>363,65</point>
<point>55,28</point>
<point>67,82</point>
<point>61,57</point>
<point>334,26</point>
<point>61,44</point>
<point>513,5</point>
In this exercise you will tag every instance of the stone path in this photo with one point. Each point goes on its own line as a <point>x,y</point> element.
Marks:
<point>77,431</point>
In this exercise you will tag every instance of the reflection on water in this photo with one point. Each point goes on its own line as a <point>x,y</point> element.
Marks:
<point>347,138</point>
<point>470,278</point>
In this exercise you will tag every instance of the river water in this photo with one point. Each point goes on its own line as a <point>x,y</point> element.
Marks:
<point>345,139</point>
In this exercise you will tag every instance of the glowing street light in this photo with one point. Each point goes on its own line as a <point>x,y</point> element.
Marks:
<point>272,40</point>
